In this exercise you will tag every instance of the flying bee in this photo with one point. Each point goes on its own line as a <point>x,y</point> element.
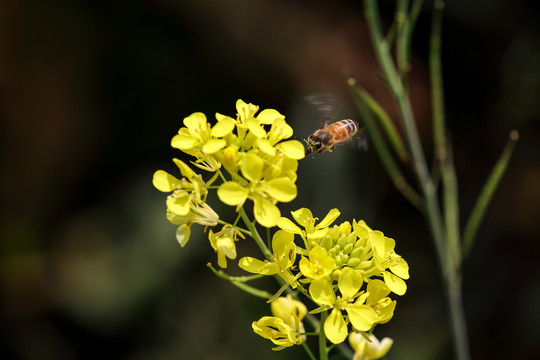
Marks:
<point>332,133</point>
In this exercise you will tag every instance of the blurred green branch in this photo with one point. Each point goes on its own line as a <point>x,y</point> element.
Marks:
<point>442,218</point>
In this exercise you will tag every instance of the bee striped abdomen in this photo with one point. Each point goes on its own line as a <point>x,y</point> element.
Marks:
<point>342,130</point>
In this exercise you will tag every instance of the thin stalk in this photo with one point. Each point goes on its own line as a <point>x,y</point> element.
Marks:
<point>403,29</point>
<point>240,282</point>
<point>387,125</point>
<point>382,150</point>
<point>308,351</point>
<point>486,195</point>
<point>457,317</point>
<point>323,350</point>
<point>255,235</point>
<point>443,150</point>
<point>432,212</point>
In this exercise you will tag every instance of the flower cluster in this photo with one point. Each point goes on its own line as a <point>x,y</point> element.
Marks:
<point>253,157</point>
<point>348,269</point>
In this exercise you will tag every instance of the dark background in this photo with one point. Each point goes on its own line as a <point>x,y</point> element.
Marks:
<point>91,93</point>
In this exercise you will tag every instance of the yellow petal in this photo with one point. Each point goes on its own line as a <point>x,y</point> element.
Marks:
<point>266,147</point>
<point>182,234</point>
<point>232,193</point>
<point>179,204</point>
<point>292,149</point>
<point>401,268</point>
<point>252,167</point>
<point>224,127</point>
<point>214,145</point>
<point>184,142</point>
<point>164,181</point>
<point>335,327</point>
<point>268,116</point>
<point>266,213</point>
<point>256,266</point>
<point>245,111</point>
<point>362,317</point>
<point>195,122</point>
<point>394,283</point>
<point>329,218</point>
<point>281,189</point>
<point>255,128</point>
<point>184,168</point>
<point>288,225</point>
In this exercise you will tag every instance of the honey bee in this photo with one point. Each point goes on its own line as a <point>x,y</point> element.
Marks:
<point>331,134</point>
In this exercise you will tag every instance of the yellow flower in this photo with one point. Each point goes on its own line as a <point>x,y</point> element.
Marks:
<point>186,205</point>
<point>318,266</point>
<point>361,316</point>
<point>311,233</point>
<point>223,243</point>
<point>379,301</point>
<point>276,330</point>
<point>291,311</point>
<point>369,350</point>
<point>384,257</point>
<point>264,191</point>
<point>284,251</point>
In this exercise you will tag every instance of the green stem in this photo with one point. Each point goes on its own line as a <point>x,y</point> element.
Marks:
<point>240,282</point>
<point>387,124</point>
<point>403,25</point>
<point>486,195</point>
<point>323,350</point>
<point>457,317</point>
<point>432,212</point>
<point>255,235</point>
<point>247,232</point>
<point>443,151</point>
<point>382,150</point>
<point>308,350</point>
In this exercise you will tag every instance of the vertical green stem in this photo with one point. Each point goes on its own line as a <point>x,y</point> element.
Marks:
<point>448,257</point>
<point>457,317</point>
<point>443,154</point>
<point>432,212</point>
<point>443,151</point>
<point>323,350</point>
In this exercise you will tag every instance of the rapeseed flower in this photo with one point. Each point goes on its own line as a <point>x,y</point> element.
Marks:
<point>369,350</point>
<point>186,205</point>
<point>361,316</point>
<point>284,251</point>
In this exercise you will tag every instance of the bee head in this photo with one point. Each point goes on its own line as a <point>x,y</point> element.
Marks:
<point>313,145</point>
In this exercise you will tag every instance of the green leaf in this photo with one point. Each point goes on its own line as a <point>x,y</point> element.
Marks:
<point>486,195</point>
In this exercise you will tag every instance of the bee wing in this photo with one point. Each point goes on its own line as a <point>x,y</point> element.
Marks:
<point>327,106</point>
<point>361,140</point>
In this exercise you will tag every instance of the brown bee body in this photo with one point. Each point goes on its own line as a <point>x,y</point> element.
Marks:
<point>334,134</point>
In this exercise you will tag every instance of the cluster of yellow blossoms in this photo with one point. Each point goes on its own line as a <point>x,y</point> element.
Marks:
<point>335,264</point>
<point>348,270</point>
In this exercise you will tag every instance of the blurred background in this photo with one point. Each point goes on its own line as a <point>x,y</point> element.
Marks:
<point>91,92</point>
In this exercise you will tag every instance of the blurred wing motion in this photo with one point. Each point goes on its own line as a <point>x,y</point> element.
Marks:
<point>327,106</point>
<point>332,132</point>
